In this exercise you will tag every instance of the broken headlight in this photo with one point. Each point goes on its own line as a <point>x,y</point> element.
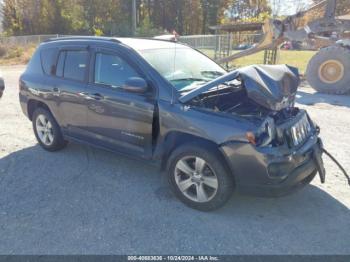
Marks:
<point>300,131</point>
<point>265,134</point>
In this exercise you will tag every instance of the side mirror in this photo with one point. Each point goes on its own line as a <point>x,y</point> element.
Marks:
<point>135,85</point>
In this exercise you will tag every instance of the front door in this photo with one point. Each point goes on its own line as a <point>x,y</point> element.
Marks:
<point>118,119</point>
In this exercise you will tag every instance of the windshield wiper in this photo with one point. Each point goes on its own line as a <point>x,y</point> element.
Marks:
<point>212,73</point>
<point>190,79</point>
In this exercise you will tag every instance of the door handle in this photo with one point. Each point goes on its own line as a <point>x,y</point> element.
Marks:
<point>56,91</point>
<point>96,96</point>
<point>88,96</point>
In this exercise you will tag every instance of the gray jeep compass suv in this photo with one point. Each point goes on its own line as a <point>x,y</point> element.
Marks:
<point>213,131</point>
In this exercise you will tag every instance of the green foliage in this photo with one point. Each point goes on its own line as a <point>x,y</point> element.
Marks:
<point>113,17</point>
<point>98,32</point>
<point>213,13</point>
<point>14,52</point>
<point>147,29</point>
<point>259,18</point>
<point>12,21</point>
<point>249,11</point>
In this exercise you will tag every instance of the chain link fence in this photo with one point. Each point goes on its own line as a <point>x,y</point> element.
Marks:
<point>217,46</point>
<point>214,46</point>
<point>25,40</point>
<point>210,42</point>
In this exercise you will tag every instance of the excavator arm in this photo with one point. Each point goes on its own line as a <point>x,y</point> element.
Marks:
<point>318,22</point>
<point>272,30</point>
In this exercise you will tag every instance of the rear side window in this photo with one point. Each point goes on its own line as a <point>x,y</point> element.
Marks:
<point>72,65</point>
<point>34,65</point>
<point>48,57</point>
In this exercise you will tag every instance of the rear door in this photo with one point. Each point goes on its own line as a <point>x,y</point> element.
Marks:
<point>70,86</point>
<point>118,119</point>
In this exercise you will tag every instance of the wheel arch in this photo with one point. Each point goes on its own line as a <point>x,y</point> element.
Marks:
<point>34,104</point>
<point>175,139</point>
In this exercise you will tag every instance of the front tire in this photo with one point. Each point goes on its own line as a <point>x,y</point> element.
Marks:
<point>199,177</point>
<point>327,71</point>
<point>47,131</point>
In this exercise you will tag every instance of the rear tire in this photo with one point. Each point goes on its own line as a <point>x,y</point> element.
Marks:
<point>199,178</point>
<point>47,131</point>
<point>328,70</point>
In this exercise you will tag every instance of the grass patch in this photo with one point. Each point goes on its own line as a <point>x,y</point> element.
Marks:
<point>299,59</point>
<point>295,58</point>
<point>16,55</point>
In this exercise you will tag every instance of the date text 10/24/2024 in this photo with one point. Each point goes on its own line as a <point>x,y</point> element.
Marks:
<point>173,258</point>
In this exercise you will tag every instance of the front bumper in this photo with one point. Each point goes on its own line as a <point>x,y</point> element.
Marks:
<point>271,171</point>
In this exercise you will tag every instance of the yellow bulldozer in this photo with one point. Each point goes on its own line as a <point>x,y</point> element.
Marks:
<point>328,71</point>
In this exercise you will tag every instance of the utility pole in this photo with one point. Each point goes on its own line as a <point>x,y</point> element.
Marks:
<point>133,29</point>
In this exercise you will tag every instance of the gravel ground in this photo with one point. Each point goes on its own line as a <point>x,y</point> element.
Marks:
<point>87,201</point>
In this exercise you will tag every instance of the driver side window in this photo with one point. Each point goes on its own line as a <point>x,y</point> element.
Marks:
<point>112,70</point>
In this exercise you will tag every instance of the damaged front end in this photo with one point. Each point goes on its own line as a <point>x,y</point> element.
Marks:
<point>279,153</point>
<point>265,94</point>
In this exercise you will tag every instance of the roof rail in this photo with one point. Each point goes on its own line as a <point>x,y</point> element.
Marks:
<point>177,41</point>
<point>99,38</point>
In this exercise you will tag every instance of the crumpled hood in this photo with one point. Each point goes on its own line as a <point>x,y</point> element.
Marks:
<point>271,86</point>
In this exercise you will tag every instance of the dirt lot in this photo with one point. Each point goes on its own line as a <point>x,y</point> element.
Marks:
<point>85,200</point>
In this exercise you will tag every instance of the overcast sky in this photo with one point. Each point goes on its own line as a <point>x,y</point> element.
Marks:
<point>289,7</point>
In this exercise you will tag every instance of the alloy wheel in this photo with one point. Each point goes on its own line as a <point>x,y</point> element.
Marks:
<point>44,130</point>
<point>196,179</point>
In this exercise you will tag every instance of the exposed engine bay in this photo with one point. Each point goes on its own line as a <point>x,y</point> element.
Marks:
<point>270,86</point>
<point>262,94</point>
<point>232,98</point>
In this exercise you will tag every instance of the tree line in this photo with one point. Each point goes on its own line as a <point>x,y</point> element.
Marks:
<point>113,17</point>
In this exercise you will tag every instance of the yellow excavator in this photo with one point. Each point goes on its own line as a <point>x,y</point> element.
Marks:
<point>328,71</point>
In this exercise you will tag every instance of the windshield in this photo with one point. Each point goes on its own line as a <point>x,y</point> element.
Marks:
<point>184,67</point>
